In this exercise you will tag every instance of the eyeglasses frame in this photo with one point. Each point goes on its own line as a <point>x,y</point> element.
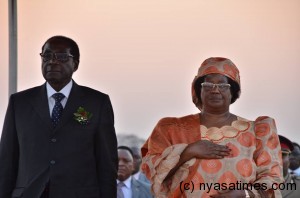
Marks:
<point>55,56</point>
<point>216,85</point>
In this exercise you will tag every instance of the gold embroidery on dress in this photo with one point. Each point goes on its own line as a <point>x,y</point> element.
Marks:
<point>216,134</point>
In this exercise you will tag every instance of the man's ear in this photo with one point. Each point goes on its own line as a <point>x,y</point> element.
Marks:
<point>76,64</point>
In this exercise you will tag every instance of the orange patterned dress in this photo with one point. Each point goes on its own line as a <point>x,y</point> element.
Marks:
<point>255,158</point>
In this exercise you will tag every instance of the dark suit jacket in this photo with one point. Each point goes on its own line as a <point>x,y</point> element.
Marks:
<point>78,160</point>
<point>140,189</point>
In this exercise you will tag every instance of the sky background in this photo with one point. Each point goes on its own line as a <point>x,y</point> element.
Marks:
<point>145,54</point>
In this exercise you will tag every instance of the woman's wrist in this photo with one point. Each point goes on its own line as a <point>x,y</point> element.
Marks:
<point>189,152</point>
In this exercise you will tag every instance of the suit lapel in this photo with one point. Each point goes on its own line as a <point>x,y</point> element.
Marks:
<point>135,188</point>
<point>74,101</point>
<point>40,104</point>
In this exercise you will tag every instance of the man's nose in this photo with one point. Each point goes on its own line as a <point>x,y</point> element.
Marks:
<point>53,60</point>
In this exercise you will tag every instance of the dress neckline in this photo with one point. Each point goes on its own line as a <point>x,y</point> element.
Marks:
<point>217,134</point>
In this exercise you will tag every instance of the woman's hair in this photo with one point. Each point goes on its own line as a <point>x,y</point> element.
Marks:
<point>234,88</point>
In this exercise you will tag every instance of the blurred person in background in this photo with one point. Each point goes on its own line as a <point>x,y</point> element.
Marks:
<point>295,160</point>
<point>137,161</point>
<point>127,185</point>
<point>291,187</point>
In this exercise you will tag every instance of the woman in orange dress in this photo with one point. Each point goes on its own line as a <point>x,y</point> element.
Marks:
<point>214,153</point>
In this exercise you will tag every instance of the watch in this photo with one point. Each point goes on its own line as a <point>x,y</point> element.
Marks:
<point>247,194</point>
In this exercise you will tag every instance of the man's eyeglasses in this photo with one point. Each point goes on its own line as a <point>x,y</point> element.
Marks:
<point>207,86</point>
<point>62,57</point>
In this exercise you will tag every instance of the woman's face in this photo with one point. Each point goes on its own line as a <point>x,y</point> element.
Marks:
<point>215,97</point>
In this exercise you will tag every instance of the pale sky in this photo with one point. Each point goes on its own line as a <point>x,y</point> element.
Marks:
<point>145,54</point>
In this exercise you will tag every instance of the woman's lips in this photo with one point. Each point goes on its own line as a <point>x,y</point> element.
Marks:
<point>215,98</point>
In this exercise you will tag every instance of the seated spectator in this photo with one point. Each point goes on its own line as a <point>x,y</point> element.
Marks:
<point>128,186</point>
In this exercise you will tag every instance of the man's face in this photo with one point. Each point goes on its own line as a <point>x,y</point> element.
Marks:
<point>137,159</point>
<point>58,72</point>
<point>125,164</point>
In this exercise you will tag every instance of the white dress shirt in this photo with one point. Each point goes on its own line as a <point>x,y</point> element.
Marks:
<point>50,91</point>
<point>296,172</point>
<point>127,188</point>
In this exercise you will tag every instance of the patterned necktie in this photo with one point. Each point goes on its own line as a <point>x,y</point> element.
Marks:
<point>120,193</point>
<point>57,109</point>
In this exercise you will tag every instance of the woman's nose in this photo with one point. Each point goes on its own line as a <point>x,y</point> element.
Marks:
<point>215,88</point>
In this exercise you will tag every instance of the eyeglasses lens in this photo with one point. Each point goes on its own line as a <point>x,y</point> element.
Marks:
<point>210,86</point>
<point>62,57</point>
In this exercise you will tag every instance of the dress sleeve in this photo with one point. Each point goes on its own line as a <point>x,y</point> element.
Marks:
<point>267,157</point>
<point>160,156</point>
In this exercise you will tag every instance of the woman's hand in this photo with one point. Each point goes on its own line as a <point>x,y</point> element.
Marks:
<point>204,149</point>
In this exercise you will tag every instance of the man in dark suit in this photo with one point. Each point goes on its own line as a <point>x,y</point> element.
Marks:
<point>128,186</point>
<point>58,139</point>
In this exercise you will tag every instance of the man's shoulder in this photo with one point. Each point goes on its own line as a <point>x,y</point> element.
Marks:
<point>92,92</point>
<point>28,92</point>
<point>139,183</point>
<point>140,189</point>
<point>143,178</point>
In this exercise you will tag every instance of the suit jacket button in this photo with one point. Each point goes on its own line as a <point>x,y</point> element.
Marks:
<point>52,162</point>
<point>53,140</point>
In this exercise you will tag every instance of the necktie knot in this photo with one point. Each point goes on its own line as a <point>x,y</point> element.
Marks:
<point>121,184</point>
<point>120,193</point>
<point>58,97</point>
